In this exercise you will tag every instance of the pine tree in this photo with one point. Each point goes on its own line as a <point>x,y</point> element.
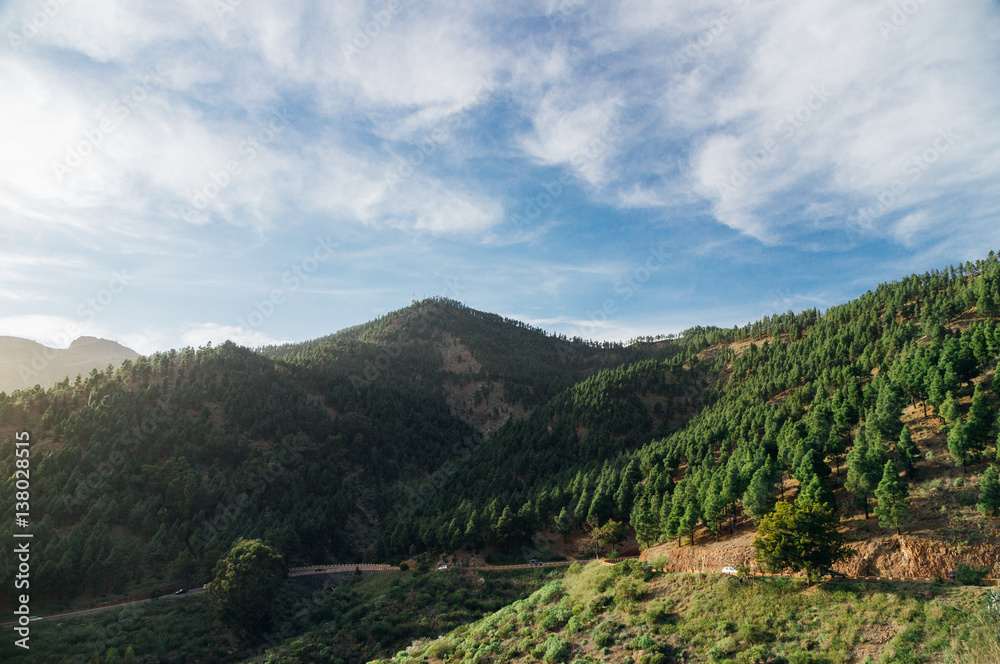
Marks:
<point>907,451</point>
<point>601,506</point>
<point>862,470</point>
<point>980,420</point>
<point>760,497</point>
<point>820,492</point>
<point>801,535</point>
<point>564,523</point>
<point>989,492</point>
<point>646,524</point>
<point>713,508</point>
<point>893,497</point>
<point>935,387</point>
<point>664,512</point>
<point>888,407</point>
<point>504,527</point>
<point>949,409</point>
<point>958,444</point>
<point>689,522</point>
<point>582,505</point>
<point>731,492</point>
<point>626,493</point>
<point>678,503</point>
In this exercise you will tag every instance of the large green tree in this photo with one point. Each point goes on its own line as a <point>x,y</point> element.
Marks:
<point>246,581</point>
<point>893,496</point>
<point>800,536</point>
<point>645,521</point>
<point>864,468</point>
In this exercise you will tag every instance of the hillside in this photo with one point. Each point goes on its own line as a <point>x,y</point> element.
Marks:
<point>25,363</point>
<point>446,431</point>
<point>628,614</point>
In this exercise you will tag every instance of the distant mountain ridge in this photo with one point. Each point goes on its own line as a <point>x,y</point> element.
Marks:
<point>25,363</point>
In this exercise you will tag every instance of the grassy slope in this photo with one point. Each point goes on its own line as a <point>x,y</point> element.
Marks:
<point>363,618</point>
<point>603,614</point>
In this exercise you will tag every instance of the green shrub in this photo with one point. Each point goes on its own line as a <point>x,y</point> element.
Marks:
<point>754,655</point>
<point>642,642</point>
<point>599,603</point>
<point>627,592</point>
<point>659,562</point>
<point>440,649</point>
<point>721,650</point>
<point>752,633</point>
<point>634,568</point>
<point>603,639</point>
<point>550,593</point>
<point>968,575</point>
<point>553,618</point>
<point>556,649</point>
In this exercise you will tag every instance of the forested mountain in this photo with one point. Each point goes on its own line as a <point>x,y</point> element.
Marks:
<point>25,363</point>
<point>439,428</point>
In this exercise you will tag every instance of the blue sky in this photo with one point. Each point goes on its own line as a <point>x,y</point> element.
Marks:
<point>185,172</point>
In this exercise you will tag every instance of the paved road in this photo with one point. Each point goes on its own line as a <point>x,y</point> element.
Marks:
<point>98,609</point>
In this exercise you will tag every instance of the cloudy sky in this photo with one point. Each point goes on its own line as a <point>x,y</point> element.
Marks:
<point>173,173</point>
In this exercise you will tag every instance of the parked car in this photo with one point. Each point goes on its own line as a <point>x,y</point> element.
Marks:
<point>442,567</point>
<point>731,571</point>
<point>533,562</point>
<point>834,574</point>
<point>181,591</point>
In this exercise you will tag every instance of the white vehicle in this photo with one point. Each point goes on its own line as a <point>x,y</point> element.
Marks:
<point>442,567</point>
<point>731,571</point>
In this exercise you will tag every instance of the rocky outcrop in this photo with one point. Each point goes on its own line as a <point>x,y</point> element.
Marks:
<point>902,556</point>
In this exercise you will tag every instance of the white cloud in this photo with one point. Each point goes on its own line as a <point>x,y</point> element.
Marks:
<point>581,135</point>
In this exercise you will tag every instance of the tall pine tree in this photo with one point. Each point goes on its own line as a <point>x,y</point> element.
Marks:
<point>893,496</point>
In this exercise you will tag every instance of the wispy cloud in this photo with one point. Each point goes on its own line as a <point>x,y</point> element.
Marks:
<point>183,135</point>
